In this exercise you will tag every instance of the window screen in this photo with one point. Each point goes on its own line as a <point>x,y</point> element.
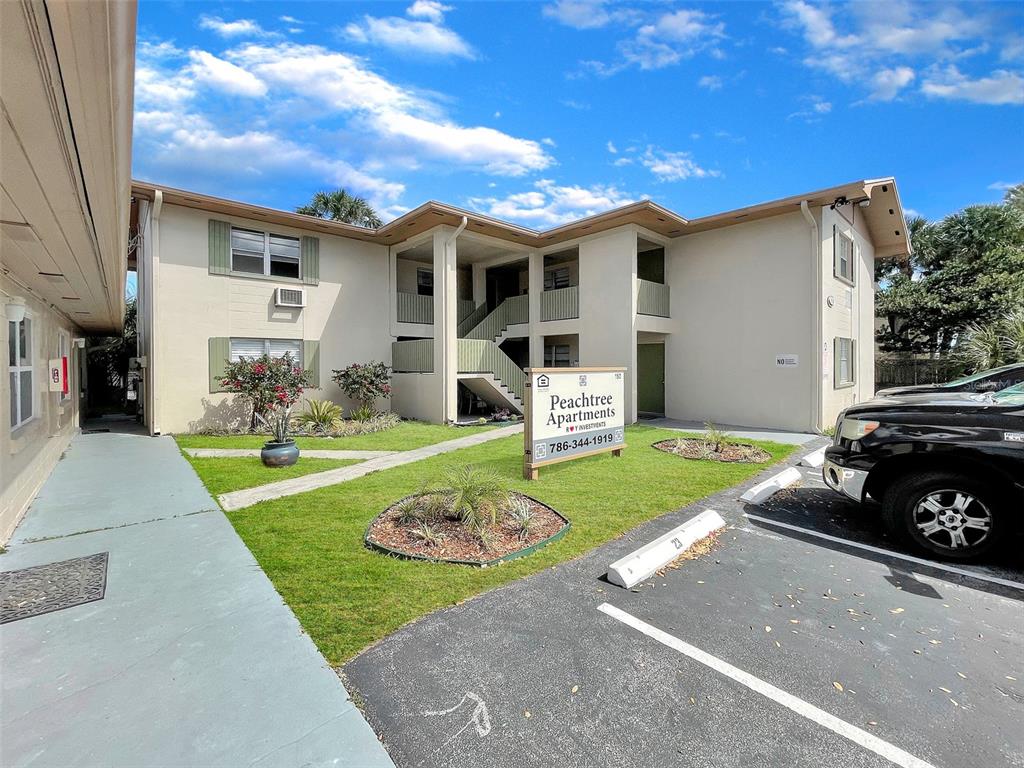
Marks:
<point>843,246</point>
<point>247,251</point>
<point>556,355</point>
<point>844,373</point>
<point>424,282</point>
<point>556,278</point>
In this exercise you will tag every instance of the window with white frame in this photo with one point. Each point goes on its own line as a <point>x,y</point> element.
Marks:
<point>842,246</point>
<point>19,360</point>
<point>844,373</point>
<point>556,356</point>
<point>556,278</point>
<point>261,253</point>
<point>274,348</point>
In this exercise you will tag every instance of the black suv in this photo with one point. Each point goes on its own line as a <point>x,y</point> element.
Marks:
<point>948,469</point>
<point>992,380</point>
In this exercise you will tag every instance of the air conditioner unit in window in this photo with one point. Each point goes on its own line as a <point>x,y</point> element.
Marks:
<point>290,297</point>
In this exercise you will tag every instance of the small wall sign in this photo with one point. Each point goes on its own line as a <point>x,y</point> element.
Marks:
<point>570,413</point>
<point>787,361</point>
<point>58,375</point>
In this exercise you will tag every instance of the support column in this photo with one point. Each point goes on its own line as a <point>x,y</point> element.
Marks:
<point>446,343</point>
<point>536,328</point>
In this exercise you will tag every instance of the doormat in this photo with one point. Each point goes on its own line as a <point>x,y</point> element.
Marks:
<point>94,431</point>
<point>52,587</point>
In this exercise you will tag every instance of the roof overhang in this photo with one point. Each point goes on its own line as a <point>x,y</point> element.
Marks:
<point>883,215</point>
<point>66,133</point>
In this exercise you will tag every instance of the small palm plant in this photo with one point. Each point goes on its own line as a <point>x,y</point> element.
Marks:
<point>475,496</point>
<point>521,515</point>
<point>716,438</point>
<point>321,416</point>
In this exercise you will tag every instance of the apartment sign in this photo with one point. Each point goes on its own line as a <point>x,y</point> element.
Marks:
<point>572,412</point>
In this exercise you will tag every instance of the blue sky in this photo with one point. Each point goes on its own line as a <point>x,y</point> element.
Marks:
<point>544,112</point>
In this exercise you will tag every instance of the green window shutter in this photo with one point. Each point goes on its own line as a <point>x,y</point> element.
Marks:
<point>311,361</point>
<point>835,361</point>
<point>220,351</point>
<point>220,247</point>
<point>311,260</point>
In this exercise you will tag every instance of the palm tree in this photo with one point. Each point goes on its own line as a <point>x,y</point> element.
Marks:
<point>339,205</point>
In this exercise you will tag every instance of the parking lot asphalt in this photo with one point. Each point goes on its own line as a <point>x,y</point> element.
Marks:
<point>777,648</point>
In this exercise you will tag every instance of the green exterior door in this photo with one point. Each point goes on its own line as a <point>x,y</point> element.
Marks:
<point>650,378</point>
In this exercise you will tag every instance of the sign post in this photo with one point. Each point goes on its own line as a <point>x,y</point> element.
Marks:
<point>571,413</point>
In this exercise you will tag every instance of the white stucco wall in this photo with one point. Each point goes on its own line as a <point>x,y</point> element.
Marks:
<point>348,312</point>
<point>29,453</point>
<point>740,296</point>
<point>607,291</point>
<point>852,313</point>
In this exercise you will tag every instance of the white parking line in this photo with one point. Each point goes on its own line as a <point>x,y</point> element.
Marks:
<point>857,735</point>
<point>890,553</point>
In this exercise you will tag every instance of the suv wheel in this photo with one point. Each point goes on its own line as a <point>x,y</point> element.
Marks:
<point>946,513</point>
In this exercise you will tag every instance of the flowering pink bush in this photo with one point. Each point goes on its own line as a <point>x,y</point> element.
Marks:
<point>271,385</point>
<point>364,383</point>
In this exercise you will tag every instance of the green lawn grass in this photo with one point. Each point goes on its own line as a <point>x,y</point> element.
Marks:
<point>223,475</point>
<point>346,597</point>
<point>403,437</point>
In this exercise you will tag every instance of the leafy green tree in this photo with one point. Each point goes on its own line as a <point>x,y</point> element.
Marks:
<point>966,270</point>
<point>339,205</point>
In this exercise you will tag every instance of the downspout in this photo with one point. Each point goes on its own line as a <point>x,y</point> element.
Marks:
<point>816,320</point>
<point>445,347</point>
<point>154,253</point>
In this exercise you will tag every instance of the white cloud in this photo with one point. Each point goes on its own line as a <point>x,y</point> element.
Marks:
<point>673,166</point>
<point>814,112</point>
<point>290,20</point>
<point>223,75</point>
<point>431,10</point>
<point>711,82</point>
<point>429,37</point>
<point>886,84</point>
<point>188,143</point>
<point>672,37</point>
<point>1000,87</point>
<point>156,88</point>
<point>621,161</point>
<point>1003,186</point>
<point>549,204</point>
<point>898,39</point>
<point>581,14</point>
<point>579,106</point>
<point>611,148</point>
<point>406,123</point>
<point>237,28</point>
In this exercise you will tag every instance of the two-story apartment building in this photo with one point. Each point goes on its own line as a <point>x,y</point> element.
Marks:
<point>761,316</point>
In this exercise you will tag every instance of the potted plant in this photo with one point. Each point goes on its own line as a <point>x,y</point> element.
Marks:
<point>272,386</point>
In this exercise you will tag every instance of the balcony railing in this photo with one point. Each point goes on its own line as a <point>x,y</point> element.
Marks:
<point>560,304</point>
<point>413,308</point>
<point>413,356</point>
<point>475,356</point>
<point>652,299</point>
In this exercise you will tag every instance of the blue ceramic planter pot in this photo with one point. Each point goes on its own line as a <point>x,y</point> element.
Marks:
<point>279,454</point>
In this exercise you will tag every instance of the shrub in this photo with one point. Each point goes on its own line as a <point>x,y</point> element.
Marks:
<point>363,413</point>
<point>271,385</point>
<point>410,511</point>
<point>522,517</point>
<point>475,496</point>
<point>428,535</point>
<point>364,382</point>
<point>320,416</point>
<point>717,439</point>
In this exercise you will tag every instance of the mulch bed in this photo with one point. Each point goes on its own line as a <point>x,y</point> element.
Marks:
<point>690,448</point>
<point>460,544</point>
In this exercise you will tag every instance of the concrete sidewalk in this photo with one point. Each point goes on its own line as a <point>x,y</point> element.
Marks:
<point>190,659</point>
<point>744,433</point>
<point>236,453</point>
<point>249,496</point>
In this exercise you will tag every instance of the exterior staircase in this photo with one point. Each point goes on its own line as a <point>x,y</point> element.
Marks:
<point>491,327</point>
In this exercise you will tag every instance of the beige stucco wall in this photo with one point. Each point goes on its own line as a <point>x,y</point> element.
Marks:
<point>29,453</point>
<point>347,312</point>
<point>740,296</point>
<point>852,313</point>
<point>607,292</point>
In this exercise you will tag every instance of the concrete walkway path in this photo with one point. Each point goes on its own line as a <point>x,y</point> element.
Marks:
<point>230,453</point>
<point>249,496</point>
<point>191,658</point>
<point>744,433</point>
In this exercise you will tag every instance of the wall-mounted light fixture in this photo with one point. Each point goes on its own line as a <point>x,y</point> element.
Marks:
<point>79,342</point>
<point>15,309</point>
